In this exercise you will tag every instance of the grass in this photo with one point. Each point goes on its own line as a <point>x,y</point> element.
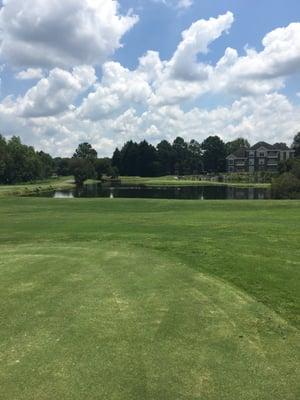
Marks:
<point>35,187</point>
<point>172,181</point>
<point>149,299</point>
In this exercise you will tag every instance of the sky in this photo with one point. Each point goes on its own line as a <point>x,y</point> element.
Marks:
<point>107,71</point>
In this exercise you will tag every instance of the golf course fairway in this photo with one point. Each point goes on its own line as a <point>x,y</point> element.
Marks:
<point>149,299</point>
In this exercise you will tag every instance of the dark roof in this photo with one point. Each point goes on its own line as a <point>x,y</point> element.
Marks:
<point>240,153</point>
<point>243,151</point>
<point>280,146</point>
<point>262,144</point>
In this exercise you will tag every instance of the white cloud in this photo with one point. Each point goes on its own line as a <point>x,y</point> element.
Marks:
<point>39,33</point>
<point>261,72</point>
<point>55,94</point>
<point>30,73</point>
<point>195,40</point>
<point>149,101</point>
<point>179,4</point>
<point>119,88</point>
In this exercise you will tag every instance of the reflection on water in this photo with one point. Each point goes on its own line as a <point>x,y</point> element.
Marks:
<point>164,192</point>
<point>63,194</point>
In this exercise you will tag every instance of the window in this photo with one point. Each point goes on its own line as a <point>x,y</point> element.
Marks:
<point>261,162</point>
<point>251,153</point>
<point>251,161</point>
<point>231,161</point>
<point>261,154</point>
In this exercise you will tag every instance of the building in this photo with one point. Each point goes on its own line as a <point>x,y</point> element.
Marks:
<point>260,157</point>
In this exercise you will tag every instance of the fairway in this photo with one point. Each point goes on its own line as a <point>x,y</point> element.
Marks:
<point>149,299</point>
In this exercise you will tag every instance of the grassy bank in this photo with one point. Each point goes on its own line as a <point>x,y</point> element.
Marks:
<point>172,181</point>
<point>34,187</point>
<point>148,299</point>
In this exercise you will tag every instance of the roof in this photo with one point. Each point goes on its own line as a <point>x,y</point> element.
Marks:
<point>240,153</point>
<point>262,144</point>
<point>243,151</point>
<point>280,146</point>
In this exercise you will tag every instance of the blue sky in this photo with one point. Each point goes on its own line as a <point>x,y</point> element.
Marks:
<point>64,82</point>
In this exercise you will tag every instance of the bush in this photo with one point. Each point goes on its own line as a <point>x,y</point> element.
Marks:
<point>82,170</point>
<point>286,186</point>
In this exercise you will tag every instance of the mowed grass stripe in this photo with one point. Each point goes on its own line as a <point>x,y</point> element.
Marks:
<point>144,300</point>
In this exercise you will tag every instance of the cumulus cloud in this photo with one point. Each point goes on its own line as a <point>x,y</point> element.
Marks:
<point>30,73</point>
<point>55,94</point>
<point>261,72</point>
<point>69,106</point>
<point>195,40</point>
<point>270,117</point>
<point>119,88</point>
<point>39,33</point>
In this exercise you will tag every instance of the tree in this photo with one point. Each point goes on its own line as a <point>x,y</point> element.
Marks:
<point>116,159</point>
<point>165,158</point>
<point>214,154</point>
<point>296,145</point>
<point>62,166</point>
<point>128,159</point>
<point>195,157</point>
<point>3,159</point>
<point>146,158</point>
<point>85,151</point>
<point>82,169</point>
<point>47,164</point>
<point>102,167</point>
<point>286,186</point>
<point>180,149</point>
<point>236,144</point>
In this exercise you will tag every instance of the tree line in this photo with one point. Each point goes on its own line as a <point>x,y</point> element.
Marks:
<point>176,158</point>
<point>21,163</point>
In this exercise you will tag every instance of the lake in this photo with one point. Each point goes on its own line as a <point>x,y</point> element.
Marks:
<point>209,192</point>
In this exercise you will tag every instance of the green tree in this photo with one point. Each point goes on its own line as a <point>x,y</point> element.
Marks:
<point>47,167</point>
<point>286,186</point>
<point>85,151</point>
<point>116,159</point>
<point>3,159</point>
<point>296,145</point>
<point>103,167</point>
<point>165,158</point>
<point>180,149</point>
<point>82,169</point>
<point>62,166</point>
<point>214,154</point>
<point>146,159</point>
<point>236,144</point>
<point>195,157</point>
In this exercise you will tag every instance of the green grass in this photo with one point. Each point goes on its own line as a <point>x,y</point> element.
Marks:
<point>34,187</point>
<point>172,181</point>
<point>149,299</point>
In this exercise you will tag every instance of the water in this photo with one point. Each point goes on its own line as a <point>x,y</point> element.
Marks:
<point>212,192</point>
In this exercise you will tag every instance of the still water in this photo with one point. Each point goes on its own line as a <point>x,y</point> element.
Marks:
<point>216,192</point>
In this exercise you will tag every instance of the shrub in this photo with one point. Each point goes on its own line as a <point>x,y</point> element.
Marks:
<point>286,186</point>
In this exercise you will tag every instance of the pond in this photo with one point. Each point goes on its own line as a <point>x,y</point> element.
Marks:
<point>209,192</point>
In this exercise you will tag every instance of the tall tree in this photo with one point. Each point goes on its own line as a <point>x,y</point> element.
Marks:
<point>236,144</point>
<point>128,162</point>
<point>296,145</point>
<point>146,159</point>
<point>165,158</point>
<point>116,159</point>
<point>85,151</point>
<point>214,154</point>
<point>195,157</point>
<point>82,169</point>
<point>180,149</point>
